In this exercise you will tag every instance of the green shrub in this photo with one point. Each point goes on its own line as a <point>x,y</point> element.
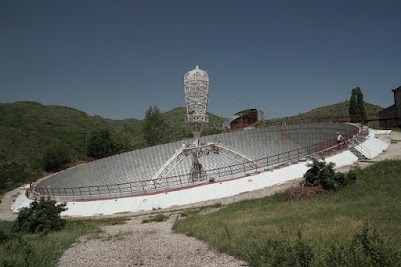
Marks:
<point>41,217</point>
<point>3,236</point>
<point>19,253</point>
<point>367,248</point>
<point>100,144</point>
<point>277,252</point>
<point>13,174</point>
<point>55,157</point>
<point>352,175</point>
<point>322,174</point>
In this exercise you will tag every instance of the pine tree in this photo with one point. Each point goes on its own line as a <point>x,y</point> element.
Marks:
<point>154,126</point>
<point>356,109</point>
<point>360,104</point>
<point>352,106</point>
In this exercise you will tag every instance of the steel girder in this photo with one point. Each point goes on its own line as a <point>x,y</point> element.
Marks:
<point>197,151</point>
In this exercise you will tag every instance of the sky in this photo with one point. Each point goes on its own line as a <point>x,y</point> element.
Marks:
<point>115,59</point>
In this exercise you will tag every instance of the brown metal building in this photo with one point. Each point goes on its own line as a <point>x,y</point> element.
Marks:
<point>391,116</point>
<point>246,118</point>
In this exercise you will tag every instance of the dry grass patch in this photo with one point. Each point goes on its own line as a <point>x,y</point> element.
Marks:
<point>303,192</point>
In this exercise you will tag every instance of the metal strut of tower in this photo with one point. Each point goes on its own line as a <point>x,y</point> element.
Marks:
<point>198,150</point>
<point>196,86</point>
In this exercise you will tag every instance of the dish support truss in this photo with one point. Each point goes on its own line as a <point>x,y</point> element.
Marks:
<point>197,150</point>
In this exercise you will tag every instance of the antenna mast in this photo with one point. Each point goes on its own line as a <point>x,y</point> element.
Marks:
<point>196,86</point>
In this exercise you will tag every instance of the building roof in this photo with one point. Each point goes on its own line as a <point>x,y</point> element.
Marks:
<point>244,112</point>
<point>396,89</point>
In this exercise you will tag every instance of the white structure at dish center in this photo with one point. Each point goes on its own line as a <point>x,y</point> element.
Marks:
<point>196,87</point>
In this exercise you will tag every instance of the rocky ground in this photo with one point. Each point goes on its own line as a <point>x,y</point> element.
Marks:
<point>143,244</point>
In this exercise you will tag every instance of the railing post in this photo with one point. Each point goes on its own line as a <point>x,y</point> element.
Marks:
<point>143,187</point>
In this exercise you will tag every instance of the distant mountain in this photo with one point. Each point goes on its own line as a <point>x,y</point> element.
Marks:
<point>331,111</point>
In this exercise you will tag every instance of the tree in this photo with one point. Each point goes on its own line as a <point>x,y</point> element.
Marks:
<point>100,144</point>
<point>55,157</point>
<point>352,106</point>
<point>154,126</point>
<point>121,142</point>
<point>360,106</point>
<point>13,174</point>
<point>41,217</point>
<point>357,110</point>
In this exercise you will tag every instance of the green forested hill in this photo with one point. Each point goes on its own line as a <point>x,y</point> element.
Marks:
<point>178,129</point>
<point>340,110</point>
<point>29,129</point>
<point>330,111</point>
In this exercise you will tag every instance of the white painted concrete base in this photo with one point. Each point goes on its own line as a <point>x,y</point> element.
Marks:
<point>202,193</point>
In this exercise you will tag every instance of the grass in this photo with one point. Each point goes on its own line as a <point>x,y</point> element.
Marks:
<point>324,221</point>
<point>252,227</point>
<point>45,250</point>
<point>157,218</point>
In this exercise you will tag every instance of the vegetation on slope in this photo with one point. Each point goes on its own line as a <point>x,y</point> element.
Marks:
<point>336,110</point>
<point>325,221</point>
<point>39,250</point>
<point>31,133</point>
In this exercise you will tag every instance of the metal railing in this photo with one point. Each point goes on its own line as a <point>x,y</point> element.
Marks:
<point>357,144</point>
<point>184,181</point>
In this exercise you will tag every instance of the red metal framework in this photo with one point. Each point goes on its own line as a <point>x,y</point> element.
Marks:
<point>216,175</point>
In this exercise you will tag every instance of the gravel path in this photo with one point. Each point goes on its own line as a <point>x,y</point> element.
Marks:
<point>149,244</point>
<point>7,200</point>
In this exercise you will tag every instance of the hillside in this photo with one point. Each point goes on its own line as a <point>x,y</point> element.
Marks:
<point>332,111</point>
<point>178,129</point>
<point>29,128</point>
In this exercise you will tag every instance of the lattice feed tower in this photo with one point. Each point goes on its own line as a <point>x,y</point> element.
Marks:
<point>196,87</point>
